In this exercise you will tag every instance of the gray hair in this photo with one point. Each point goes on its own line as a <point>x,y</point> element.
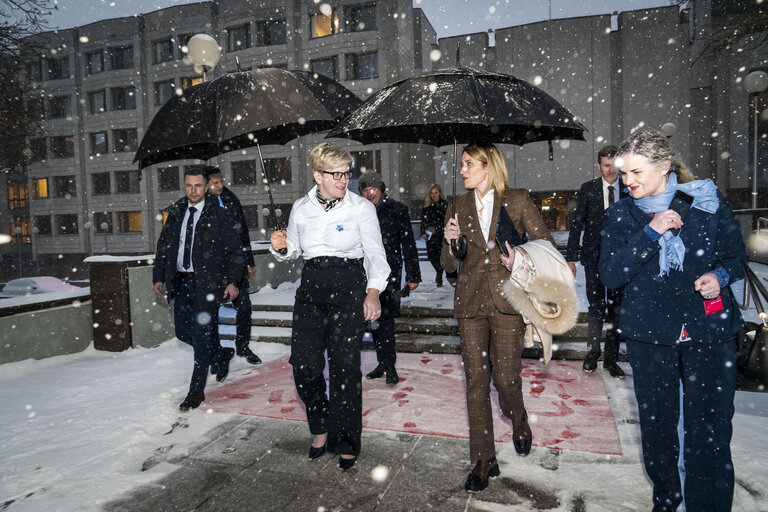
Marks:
<point>655,146</point>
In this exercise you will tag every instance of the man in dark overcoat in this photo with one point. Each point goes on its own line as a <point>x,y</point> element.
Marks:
<point>198,264</point>
<point>400,247</point>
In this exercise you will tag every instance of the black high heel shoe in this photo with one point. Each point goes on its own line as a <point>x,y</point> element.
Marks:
<point>475,483</point>
<point>316,453</point>
<point>522,445</point>
<point>346,464</point>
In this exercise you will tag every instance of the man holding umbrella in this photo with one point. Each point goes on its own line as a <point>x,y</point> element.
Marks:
<point>227,199</point>
<point>400,246</point>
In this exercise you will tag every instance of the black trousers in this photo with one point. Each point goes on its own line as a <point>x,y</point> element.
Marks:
<point>328,316</point>
<point>602,310</point>
<point>197,325</point>
<point>383,329</point>
<point>434,247</point>
<point>708,377</point>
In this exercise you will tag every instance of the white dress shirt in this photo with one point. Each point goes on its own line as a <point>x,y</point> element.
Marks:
<point>348,230</point>
<point>182,235</point>
<point>616,184</point>
<point>485,212</point>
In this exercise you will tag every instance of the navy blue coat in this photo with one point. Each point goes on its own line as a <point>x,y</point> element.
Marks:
<point>653,308</point>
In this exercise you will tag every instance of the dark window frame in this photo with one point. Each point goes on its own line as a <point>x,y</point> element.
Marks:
<point>64,219</point>
<point>101,183</point>
<point>60,107</point>
<point>121,57</point>
<point>96,145</point>
<point>264,35</point>
<point>244,173</point>
<point>124,98</point>
<point>334,60</point>
<point>58,68</point>
<point>93,107</point>
<point>352,65</point>
<point>125,140</point>
<point>89,62</point>
<point>232,32</point>
<point>62,146</point>
<point>352,15</point>
<point>162,50</point>
<point>168,179</point>
<point>65,186</point>
<point>44,225</point>
<point>127,182</point>
<point>159,100</point>
<point>100,218</point>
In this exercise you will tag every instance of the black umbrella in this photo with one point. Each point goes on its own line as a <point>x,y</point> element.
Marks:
<point>240,110</point>
<point>460,104</point>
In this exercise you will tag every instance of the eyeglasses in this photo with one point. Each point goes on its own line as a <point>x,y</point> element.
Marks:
<point>338,175</point>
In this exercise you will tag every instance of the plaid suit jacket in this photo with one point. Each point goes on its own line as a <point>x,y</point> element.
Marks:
<point>481,272</point>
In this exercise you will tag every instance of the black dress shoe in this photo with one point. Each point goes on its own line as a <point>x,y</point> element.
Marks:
<point>521,444</point>
<point>316,453</point>
<point>346,464</point>
<point>191,402</point>
<point>590,362</point>
<point>392,377</point>
<point>476,483</point>
<point>376,373</point>
<point>226,357</point>
<point>250,356</point>
<point>614,370</point>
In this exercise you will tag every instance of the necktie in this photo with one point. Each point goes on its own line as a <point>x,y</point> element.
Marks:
<point>611,198</point>
<point>221,203</point>
<point>188,237</point>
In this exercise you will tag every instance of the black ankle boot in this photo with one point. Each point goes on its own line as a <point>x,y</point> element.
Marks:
<point>376,373</point>
<point>475,482</point>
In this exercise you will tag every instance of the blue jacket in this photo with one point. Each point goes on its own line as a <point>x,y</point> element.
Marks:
<point>653,308</point>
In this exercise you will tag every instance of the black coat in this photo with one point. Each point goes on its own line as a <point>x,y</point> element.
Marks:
<point>232,203</point>
<point>217,257</point>
<point>588,218</point>
<point>432,218</point>
<point>399,243</point>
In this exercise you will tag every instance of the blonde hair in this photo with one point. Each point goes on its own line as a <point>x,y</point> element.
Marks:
<point>498,178</point>
<point>327,155</point>
<point>428,200</point>
<point>655,146</point>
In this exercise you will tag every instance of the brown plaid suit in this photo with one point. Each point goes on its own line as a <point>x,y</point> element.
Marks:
<point>490,329</point>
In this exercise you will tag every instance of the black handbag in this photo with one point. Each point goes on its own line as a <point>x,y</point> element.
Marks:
<point>752,357</point>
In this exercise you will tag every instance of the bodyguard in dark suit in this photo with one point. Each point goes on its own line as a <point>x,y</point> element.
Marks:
<point>400,246</point>
<point>242,303</point>
<point>595,197</point>
<point>198,264</point>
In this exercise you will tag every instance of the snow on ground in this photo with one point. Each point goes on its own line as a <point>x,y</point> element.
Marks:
<point>76,429</point>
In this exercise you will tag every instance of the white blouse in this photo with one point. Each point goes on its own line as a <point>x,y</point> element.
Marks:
<point>348,230</point>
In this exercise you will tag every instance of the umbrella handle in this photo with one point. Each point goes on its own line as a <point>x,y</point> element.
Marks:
<point>283,251</point>
<point>459,247</point>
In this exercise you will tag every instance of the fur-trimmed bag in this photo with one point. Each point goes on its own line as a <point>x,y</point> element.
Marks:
<point>542,288</point>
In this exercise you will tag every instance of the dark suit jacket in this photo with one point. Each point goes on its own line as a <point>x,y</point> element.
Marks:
<point>216,253</point>
<point>399,243</point>
<point>482,271</point>
<point>232,203</point>
<point>588,218</point>
<point>654,308</point>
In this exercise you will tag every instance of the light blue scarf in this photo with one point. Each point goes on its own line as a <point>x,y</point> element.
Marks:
<point>672,249</point>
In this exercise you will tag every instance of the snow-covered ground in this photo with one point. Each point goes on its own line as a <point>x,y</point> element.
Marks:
<point>76,429</point>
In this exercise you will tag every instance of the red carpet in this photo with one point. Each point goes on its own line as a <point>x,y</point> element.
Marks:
<point>567,409</point>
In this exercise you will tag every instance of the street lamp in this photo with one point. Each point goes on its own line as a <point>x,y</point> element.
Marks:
<point>88,226</point>
<point>104,227</point>
<point>204,52</point>
<point>668,129</point>
<point>755,83</point>
<point>17,230</point>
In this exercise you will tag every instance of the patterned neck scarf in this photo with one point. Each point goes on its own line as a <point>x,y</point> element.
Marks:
<point>326,202</point>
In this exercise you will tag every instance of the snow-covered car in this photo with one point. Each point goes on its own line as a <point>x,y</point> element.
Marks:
<point>35,285</point>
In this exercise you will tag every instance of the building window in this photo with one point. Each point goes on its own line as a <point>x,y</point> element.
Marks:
<point>181,42</point>
<point>103,222</point>
<point>126,139</point>
<point>24,227</point>
<point>326,67</point>
<point>37,149</point>
<point>35,110</point>
<point>99,144</point>
<point>164,91</point>
<point>127,182</point>
<point>365,161</point>
<point>362,66</point>
<point>244,172</point>
<point>121,57</point>
<point>35,71</point>
<point>285,212</point>
<point>270,32</point>
<point>162,51</point>
<point>187,82</point>
<point>43,225</point>
<point>251,214</point>
<point>168,179</point>
<point>61,107</point>
<point>63,146</point>
<point>18,194</point>
<point>358,18</point>
<point>124,98</point>
<point>65,186</point>
<point>66,224</point>
<point>97,102</point>
<point>238,38</point>
<point>58,69</point>
<point>129,222</point>
<point>94,62</point>
<point>324,25</point>
<point>101,185</point>
<point>278,170</point>
<point>41,188</point>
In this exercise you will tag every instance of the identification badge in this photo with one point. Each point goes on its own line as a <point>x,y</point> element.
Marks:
<point>713,306</point>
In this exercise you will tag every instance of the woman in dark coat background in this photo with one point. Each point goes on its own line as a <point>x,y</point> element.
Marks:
<point>432,218</point>
<point>680,339</point>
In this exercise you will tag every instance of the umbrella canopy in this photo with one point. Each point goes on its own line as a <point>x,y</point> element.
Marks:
<point>239,110</point>
<point>460,104</point>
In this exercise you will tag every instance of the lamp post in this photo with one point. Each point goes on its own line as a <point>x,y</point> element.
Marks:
<point>104,227</point>
<point>17,230</point>
<point>88,226</point>
<point>668,129</point>
<point>204,52</point>
<point>755,83</point>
